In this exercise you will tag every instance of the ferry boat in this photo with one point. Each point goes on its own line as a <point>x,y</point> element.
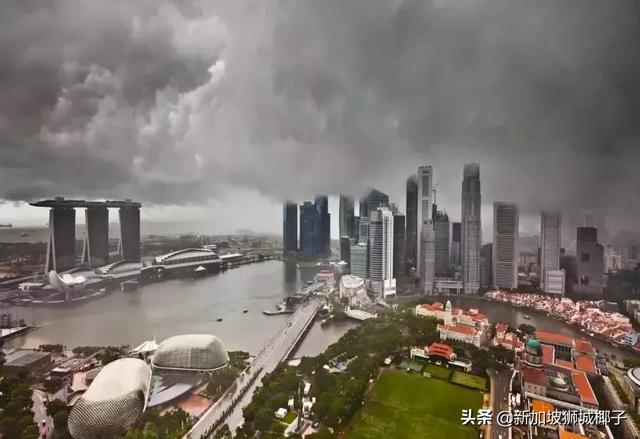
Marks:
<point>245,310</point>
<point>526,316</point>
<point>218,320</point>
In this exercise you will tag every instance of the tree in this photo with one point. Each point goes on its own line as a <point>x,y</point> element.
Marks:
<point>150,432</point>
<point>30,432</point>
<point>60,420</point>
<point>56,406</point>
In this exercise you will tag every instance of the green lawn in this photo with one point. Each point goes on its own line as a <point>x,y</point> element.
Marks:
<point>288,419</point>
<point>411,364</point>
<point>439,372</point>
<point>403,405</point>
<point>465,379</point>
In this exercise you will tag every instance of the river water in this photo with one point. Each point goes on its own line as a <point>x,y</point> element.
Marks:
<point>183,306</point>
<point>192,306</point>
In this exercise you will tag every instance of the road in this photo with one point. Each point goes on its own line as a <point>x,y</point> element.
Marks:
<point>276,349</point>
<point>40,412</point>
<point>500,383</point>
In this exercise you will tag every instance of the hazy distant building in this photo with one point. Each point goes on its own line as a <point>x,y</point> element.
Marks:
<point>427,258</point>
<point>569,264</point>
<point>290,228</point>
<point>399,251</point>
<point>612,260</point>
<point>505,249</point>
<point>356,228</point>
<point>381,252</point>
<point>308,224</point>
<point>345,248</point>
<point>412,220</point>
<point>590,262</point>
<point>550,228</point>
<point>363,235</point>
<point>424,218</point>
<point>441,244</point>
<point>324,225</point>
<point>486,266</point>
<point>359,257</point>
<point>371,200</point>
<point>346,220</point>
<point>471,228</point>
<point>456,244</point>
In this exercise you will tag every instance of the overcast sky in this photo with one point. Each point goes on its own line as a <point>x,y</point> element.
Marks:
<point>217,110</point>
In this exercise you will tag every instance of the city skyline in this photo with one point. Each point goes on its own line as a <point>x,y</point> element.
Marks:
<point>89,122</point>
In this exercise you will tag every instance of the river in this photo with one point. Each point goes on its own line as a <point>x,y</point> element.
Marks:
<point>193,306</point>
<point>182,306</point>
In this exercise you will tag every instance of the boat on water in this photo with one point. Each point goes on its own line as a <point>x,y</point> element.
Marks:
<point>23,234</point>
<point>526,316</point>
<point>309,282</point>
<point>218,320</point>
<point>245,310</point>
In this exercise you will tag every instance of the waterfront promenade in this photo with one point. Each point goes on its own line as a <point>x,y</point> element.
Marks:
<point>228,409</point>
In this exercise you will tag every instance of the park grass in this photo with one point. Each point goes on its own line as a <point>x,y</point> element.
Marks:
<point>403,405</point>
<point>468,380</point>
<point>289,418</point>
<point>442,373</point>
<point>416,366</point>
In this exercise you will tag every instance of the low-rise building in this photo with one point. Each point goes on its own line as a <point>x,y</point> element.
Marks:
<point>464,334</point>
<point>353,288</point>
<point>26,361</point>
<point>507,339</point>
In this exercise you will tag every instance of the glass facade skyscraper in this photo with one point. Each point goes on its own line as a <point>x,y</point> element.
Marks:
<point>471,228</point>
<point>290,228</point>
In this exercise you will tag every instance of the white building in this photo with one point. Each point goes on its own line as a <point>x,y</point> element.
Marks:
<point>554,281</point>
<point>381,252</point>
<point>550,226</point>
<point>353,288</point>
<point>471,228</point>
<point>464,334</point>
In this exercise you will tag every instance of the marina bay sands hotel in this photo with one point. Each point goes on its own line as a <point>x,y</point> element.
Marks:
<point>61,247</point>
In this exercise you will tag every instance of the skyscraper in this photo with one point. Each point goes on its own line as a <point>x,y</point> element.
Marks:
<point>345,248</point>
<point>471,228</point>
<point>290,228</point>
<point>399,251</point>
<point>308,224</point>
<point>441,243</point>
<point>551,280</point>
<point>323,231</point>
<point>505,249</point>
<point>358,263</point>
<point>371,200</point>
<point>346,222</point>
<point>590,262</point>
<point>412,220</point>
<point>486,265</point>
<point>381,251</point>
<point>424,215</point>
<point>456,241</point>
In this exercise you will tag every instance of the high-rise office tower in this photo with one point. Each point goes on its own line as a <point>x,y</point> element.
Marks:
<point>427,258</point>
<point>590,262</point>
<point>289,228</point>
<point>308,225</point>
<point>471,228</point>
<point>359,259</point>
<point>441,243</point>
<point>371,200</point>
<point>505,249</point>
<point>356,228</point>
<point>364,230</point>
<point>399,251</point>
<point>324,225</point>
<point>486,266</point>
<point>551,278</point>
<point>412,220</point>
<point>346,222</point>
<point>424,213</point>
<point>456,241</point>
<point>569,265</point>
<point>381,251</point>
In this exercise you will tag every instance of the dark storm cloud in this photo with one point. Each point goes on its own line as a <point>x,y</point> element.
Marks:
<point>179,102</point>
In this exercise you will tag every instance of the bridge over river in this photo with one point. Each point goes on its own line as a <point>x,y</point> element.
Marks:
<point>228,408</point>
